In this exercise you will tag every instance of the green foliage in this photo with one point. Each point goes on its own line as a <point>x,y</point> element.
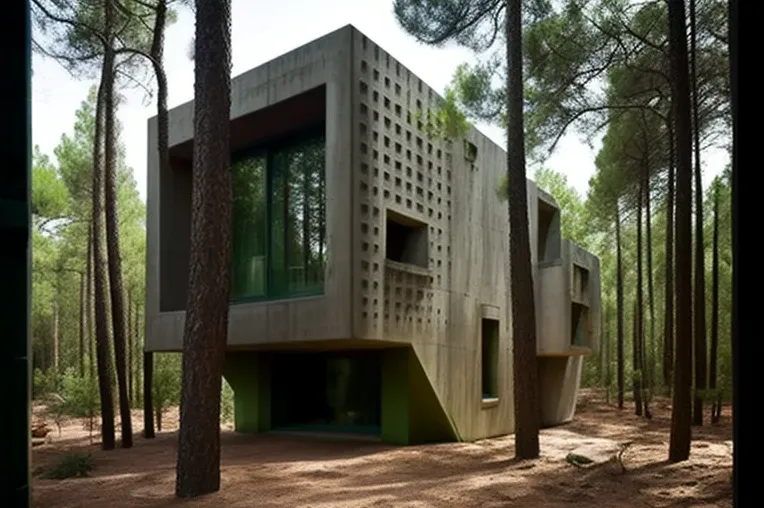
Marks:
<point>226,402</point>
<point>73,465</point>
<point>61,196</point>
<point>50,197</point>
<point>78,43</point>
<point>44,383</point>
<point>80,395</point>
<point>166,390</point>
<point>575,459</point>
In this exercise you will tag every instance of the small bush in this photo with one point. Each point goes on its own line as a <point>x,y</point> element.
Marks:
<point>44,383</point>
<point>166,383</point>
<point>70,466</point>
<point>78,398</point>
<point>226,402</point>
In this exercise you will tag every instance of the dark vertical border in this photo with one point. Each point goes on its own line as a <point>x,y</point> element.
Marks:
<point>733,28</point>
<point>15,140</point>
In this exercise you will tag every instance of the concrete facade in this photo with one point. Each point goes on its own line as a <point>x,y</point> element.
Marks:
<point>417,251</point>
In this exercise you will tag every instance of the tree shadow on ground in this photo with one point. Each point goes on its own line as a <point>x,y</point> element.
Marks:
<point>286,471</point>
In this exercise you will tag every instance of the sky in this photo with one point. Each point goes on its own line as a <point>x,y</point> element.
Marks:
<point>262,31</point>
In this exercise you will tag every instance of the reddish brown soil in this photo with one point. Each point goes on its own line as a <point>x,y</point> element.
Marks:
<point>271,471</point>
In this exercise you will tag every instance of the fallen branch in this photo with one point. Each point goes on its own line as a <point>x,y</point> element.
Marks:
<point>619,455</point>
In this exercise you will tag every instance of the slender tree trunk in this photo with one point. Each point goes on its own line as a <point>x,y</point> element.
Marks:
<point>163,147</point>
<point>138,348</point>
<point>148,396</point>
<point>602,353</point>
<point>699,324</point>
<point>652,360</point>
<point>619,307</point>
<point>668,317</point>
<point>716,407</point>
<point>646,362</point>
<point>681,413</point>
<point>103,353</point>
<point>55,331</point>
<point>158,412</point>
<point>89,307</point>
<point>112,230</point>
<point>82,318</point>
<point>130,348</point>
<point>527,410</point>
<point>206,327</point>
<point>606,355</point>
<point>636,347</point>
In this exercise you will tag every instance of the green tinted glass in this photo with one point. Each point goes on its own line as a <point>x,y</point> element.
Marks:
<point>279,195</point>
<point>248,275</point>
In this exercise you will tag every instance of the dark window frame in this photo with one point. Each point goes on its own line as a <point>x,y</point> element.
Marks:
<point>267,149</point>
<point>490,329</point>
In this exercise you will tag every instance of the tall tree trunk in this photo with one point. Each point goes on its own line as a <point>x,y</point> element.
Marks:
<point>55,331</point>
<point>103,353</point>
<point>652,360</point>
<point>148,395</point>
<point>716,407</point>
<point>606,343</point>
<point>619,306</point>
<point>646,361</point>
<point>112,230</point>
<point>668,316</point>
<point>163,147</point>
<point>138,364</point>
<point>206,327</point>
<point>681,412</point>
<point>636,346</point>
<point>527,410</point>
<point>82,318</point>
<point>130,348</point>
<point>89,307</point>
<point>699,324</point>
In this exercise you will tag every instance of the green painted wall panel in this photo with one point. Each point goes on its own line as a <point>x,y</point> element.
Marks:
<point>428,420</point>
<point>395,396</point>
<point>247,373</point>
<point>410,410</point>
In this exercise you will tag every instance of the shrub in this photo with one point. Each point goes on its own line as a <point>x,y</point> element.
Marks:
<point>44,383</point>
<point>226,402</point>
<point>78,398</point>
<point>70,466</point>
<point>166,383</point>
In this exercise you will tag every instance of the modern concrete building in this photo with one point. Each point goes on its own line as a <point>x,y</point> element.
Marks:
<point>370,261</point>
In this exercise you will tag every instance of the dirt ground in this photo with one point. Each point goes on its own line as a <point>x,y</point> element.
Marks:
<point>293,471</point>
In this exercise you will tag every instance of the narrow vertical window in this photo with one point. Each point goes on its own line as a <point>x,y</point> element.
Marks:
<point>489,339</point>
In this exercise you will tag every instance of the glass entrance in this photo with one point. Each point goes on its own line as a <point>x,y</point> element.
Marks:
<point>326,391</point>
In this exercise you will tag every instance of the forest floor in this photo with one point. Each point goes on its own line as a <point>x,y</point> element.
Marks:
<point>272,471</point>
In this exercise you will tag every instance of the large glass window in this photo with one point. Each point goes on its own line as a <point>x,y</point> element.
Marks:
<point>279,216</point>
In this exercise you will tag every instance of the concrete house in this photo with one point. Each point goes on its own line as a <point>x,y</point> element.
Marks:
<point>370,261</point>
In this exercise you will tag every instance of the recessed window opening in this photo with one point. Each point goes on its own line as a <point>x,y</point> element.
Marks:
<point>489,359</point>
<point>470,151</point>
<point>279,219</point>
<point>580,281</point>
<point>548,232</point>
<point>579,326</point>
<point>406,240</point>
